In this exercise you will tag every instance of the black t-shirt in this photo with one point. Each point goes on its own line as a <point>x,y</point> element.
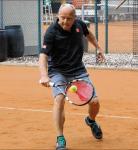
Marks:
<point>65,49</point>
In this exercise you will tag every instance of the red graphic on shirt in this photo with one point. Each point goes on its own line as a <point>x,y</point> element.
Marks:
<point>44,46</point>
<point>77,30</point>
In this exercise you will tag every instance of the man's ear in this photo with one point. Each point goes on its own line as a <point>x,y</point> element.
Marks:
<point>57,16</point>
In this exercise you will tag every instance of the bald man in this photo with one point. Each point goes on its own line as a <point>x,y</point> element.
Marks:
<point>60,61</point>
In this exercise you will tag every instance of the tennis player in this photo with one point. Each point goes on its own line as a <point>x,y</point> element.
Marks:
<point>60,61</point>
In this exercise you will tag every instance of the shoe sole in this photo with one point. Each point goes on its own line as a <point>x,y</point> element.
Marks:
<point>61,149</point>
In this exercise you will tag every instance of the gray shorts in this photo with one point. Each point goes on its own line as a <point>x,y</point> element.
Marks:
<point>61,79</point>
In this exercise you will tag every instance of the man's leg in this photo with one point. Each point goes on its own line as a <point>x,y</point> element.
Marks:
<point>90,120</point>
<point>58,109</point>
<point>58,113</point>
<point>59,119</point>
<point>93,108</point>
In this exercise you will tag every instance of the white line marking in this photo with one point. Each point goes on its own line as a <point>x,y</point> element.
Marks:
<point>69,113</point>
<point>26,109</point>
<point>118,117</point>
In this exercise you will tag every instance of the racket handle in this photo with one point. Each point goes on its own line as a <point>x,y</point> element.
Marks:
<point>51,84</point>
<point>40,81</point>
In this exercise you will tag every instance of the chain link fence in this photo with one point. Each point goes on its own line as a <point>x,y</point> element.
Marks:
<point>112,27</point>
<point>115,29</point>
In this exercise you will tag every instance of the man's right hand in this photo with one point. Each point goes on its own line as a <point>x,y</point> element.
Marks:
<point>44,81</point>
<point>43,66</point>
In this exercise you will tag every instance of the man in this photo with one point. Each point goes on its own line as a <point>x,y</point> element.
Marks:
<point>60,60</point>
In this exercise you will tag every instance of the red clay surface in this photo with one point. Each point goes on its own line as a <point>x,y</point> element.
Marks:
<point>26,112</point>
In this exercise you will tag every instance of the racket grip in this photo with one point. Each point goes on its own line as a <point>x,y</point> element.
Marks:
<point>51,84</point>
<point>40,81</point>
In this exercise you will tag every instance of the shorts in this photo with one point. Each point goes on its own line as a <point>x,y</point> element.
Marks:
<point>61,79</point>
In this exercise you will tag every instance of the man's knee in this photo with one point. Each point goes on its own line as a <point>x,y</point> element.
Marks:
<point>95,101</point>
<point>59,101</point>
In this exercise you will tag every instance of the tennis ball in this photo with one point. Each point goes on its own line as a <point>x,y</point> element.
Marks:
<point>73,88</point>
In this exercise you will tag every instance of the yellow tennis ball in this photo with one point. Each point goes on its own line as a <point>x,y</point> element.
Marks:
<point>73,88</point>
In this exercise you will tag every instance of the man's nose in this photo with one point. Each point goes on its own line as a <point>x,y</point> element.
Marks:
<point>65,20</point>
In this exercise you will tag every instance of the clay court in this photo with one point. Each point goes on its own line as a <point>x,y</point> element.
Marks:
<point>26,112</point>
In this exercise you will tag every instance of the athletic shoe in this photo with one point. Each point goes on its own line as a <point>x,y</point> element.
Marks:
<point>61,143</point>
<point>95,128</point>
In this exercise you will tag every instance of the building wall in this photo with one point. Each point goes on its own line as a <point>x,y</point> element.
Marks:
<point>24,13</point>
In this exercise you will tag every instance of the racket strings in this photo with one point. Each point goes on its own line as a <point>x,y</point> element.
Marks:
<point>83,93</point>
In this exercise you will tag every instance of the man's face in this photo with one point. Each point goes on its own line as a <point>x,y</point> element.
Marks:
<point>66,18</point>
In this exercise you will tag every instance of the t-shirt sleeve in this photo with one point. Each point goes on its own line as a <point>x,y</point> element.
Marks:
<point>47,42</point>
<point>84,27</point>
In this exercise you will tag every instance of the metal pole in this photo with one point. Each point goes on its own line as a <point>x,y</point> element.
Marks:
<point>106,26</point>
<point>128,5</point>
<point>96,22</point>
<point>1,17</point>
<point>135,29</point>
<point>39,25</point>
<point>82,16</point>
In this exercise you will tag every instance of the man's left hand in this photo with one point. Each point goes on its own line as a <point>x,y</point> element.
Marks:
<point>100,57</point>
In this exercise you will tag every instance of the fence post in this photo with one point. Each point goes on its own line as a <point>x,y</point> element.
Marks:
<point>39,25</point>
<point>1,14</point>
<point>96,22</point>
<point>106,26</point>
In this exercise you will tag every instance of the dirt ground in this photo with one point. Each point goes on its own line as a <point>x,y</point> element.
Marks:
<point>26,112</point>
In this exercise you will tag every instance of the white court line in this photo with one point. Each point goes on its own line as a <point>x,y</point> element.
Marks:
<point>77,114</point>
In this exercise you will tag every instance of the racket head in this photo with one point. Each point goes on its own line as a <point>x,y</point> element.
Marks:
<point>82,95</point>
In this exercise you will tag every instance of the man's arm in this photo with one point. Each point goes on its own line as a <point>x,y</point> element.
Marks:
<point>100,53</point>
<point>91,38</point>
<point>43,67</point>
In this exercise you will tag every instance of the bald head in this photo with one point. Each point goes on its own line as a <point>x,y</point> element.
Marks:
<point>66,16</point>
<point>68,8</point>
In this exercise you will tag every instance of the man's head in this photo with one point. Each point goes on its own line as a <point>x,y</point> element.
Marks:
<point>66,16</point>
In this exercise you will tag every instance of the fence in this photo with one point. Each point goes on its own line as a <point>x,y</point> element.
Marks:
<point>115,29</point>
<point>111,24</point>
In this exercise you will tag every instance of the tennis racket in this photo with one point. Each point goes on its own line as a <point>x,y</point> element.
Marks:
<point>82,94</point>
